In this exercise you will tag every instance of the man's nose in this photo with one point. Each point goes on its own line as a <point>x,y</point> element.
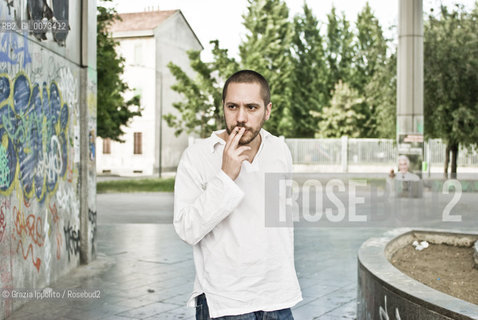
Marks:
<point>241,116</point>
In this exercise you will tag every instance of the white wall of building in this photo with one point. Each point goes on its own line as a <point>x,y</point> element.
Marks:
<point>147,55</point>
<point>139,73</point>
<point>173,39</point>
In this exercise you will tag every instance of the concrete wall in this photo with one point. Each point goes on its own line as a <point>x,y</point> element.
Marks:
<point>42,101</point>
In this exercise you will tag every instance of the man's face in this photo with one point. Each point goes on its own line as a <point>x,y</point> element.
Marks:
<point>244,107</point>
<point>403,166</point>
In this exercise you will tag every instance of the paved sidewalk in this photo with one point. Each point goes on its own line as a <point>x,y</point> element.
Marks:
<point>144,271</point>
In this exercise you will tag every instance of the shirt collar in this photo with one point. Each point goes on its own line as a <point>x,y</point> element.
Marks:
<point>215,140</point>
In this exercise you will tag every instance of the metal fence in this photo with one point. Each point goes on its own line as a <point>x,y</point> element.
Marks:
<point>315,151</point>
<point>437,149</point>
<point>367,151</point>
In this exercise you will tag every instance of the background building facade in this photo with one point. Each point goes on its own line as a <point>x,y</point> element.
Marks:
<point>149,41</point>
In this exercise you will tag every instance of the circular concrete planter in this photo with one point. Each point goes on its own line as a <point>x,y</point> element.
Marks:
<point>384,292</point>
<point>475,255</point>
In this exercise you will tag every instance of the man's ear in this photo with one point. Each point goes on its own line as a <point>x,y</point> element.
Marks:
<point>268,111</point>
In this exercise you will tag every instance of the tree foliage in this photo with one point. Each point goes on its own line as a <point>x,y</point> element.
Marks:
<point>370,58</point>
<point>371,48</point>
<point>342,117</point>
<point>340,49</point>
<point>308,69</point>
<point>380,96</point>
<point>201,110</point>
<point>310,74</point>
<point>114,111</point>
<point>451,79</point>
<point>266,49</point>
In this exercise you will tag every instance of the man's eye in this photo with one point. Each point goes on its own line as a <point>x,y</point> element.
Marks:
<point>231,106</point>
<point>252,107</point>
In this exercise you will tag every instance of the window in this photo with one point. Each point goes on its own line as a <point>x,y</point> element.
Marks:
<point>107,146</point>
<point>138,143</point>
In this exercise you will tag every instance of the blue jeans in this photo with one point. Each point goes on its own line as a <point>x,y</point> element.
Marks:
<point>202,313</point>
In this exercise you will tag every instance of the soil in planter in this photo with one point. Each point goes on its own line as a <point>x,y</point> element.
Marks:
<point>448,269</point>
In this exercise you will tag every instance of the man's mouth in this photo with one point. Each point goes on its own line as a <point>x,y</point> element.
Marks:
<point>245,129</point>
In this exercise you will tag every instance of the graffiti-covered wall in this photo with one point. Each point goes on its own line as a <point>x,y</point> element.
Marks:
<point>40,148</point>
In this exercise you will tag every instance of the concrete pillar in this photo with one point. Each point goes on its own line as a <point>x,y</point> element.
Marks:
<point>410,83</point>
<point>410,67</point>
<point>88,81</point>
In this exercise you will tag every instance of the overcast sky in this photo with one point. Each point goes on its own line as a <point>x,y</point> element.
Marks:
<point>222,19</point>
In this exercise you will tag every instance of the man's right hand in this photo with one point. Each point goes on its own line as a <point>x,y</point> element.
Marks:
<point>233,154</point>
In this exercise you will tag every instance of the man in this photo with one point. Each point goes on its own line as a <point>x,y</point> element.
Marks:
<point>244,270</point>
<point>403,173</point>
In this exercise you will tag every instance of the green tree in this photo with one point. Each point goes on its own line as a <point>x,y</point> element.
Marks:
<point>266,49</point>
<point>309,76</point>
<point>340,50</point>
<point>201,111</point>
<point>451,79</point>
<point>342,117</point>
<point>381,96</point>
<point>370,58</point>
<point>114,111</point>
<point>371,48</point>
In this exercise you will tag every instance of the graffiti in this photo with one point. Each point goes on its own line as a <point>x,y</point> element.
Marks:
<point>36,262</point>
<point>3,221</point>
<point>14,49</point>
<point>63,198</point>
<point>72,240</point>
<point>92,145</point>
<point>31,227</point>
<point>68,84</point>
<point>52,164</point>
<point>69,173</point>
<point>66,199</point>
<point>33,132</point>
<point>384,312</point>
<point>92,219</point>
<point>4,169</point>
<point>58,237</point>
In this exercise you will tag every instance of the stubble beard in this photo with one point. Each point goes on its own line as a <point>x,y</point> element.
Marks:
<point>254,132</point>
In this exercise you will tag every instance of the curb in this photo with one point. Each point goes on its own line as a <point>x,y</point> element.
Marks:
<point>475,255</point>
<point>385,290</point>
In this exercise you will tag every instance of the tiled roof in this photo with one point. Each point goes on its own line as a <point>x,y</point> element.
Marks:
<point>137,21</point>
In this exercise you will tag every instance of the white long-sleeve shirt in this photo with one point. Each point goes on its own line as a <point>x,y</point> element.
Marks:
<point>242,265</point>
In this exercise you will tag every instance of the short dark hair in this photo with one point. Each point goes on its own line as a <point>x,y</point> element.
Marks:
<point>249,76</point>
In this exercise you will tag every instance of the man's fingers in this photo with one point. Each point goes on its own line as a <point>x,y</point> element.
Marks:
<point>235,140</point>
<point>242,149</point>
<point>243,157</point>
<point>232,135</point>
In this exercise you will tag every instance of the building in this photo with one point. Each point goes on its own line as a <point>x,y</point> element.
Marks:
<point>47,164</point>
<point>149,41</point>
